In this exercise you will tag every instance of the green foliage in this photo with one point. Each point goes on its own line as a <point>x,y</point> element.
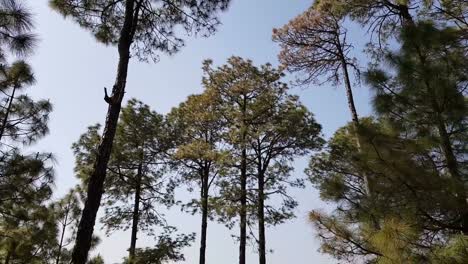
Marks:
<point>273,127</point>
<point>413,156</point>
<point>166,250</point>
<point>137,162</point>
<point>21,118</point>
<point>16,35</point>
<point>455,251</point>
<point>67,212</point>
<point>197,127</point>
<point>104,18</point>
<point>96,260</point>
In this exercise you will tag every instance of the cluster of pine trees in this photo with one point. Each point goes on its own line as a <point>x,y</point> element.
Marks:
<point>397,180</point>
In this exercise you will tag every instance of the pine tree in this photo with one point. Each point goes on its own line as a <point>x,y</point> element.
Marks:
<point>136,184</point>
<point>265,129</point>
<point>415,153</point>
<point>67,212</point>
<point>16,27</point>
<point>21,118</point>
<point>140,28</point>
<point>286,132</point>
<point>166,250</point>
<point>198,130</point>
<point>427,97</point>
<point>315,44</point>
<point>27,224</point>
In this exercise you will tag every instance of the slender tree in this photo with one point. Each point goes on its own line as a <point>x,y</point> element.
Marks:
<point>315,44</point>
<point>420,202</point>
<point>287,131</point>
<point>265,129</point>
<point>198,128</point>
<point>136,181</point>
<point>237,84</point>
<point>140,28</point>
<point>67,212</point>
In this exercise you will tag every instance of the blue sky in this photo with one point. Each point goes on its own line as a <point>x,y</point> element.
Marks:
<point>72,68</point>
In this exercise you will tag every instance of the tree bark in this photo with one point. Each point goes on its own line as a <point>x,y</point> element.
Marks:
<point>97,177</point>
<point>7,113</point>
<point>261,217</point>
<point>352,108</point>
<point>136,215</point>
<point>243,183</point>
<point>204,223</point>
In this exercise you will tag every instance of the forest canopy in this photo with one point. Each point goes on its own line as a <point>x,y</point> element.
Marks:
<point>392,181</point>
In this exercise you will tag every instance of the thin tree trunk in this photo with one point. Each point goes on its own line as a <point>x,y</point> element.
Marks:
<point>451,163</point>
<point>261,215</point>
<point>136,215</point>
<point>447,149</point>
<point>355,118</point>
<point>204,224</point>
<point>356,123</point>
<point>243,194</point>
<point>7,113</point>
<point>352,109</point>
<point>452,166</point>
<point>59,253</point>
<point>8,257</point>
<point>97,177</point>
<point>349,92</point>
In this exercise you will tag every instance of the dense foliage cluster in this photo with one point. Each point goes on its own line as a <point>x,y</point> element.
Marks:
<point>397,180</point>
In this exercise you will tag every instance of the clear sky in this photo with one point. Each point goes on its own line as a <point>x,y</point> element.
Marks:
<point>72,68</point>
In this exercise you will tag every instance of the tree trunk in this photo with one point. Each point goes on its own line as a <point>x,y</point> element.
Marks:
<point>136,215</point>
<point>261,217</point>
<point>97,177</point>
<point>355,118</point>
<point>407,19</point>
<point>447,149</point>
<point>352,108</point>
<point>59,253</point>
<point>349,93</point>
<point>356,123</point>
<point>8,256</point>
<point>204,224</point>
<point>452,166</point>
<point>243,183</point>
<point>7,113</point>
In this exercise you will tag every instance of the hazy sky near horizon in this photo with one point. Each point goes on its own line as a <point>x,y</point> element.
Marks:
<point>72,68</point>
